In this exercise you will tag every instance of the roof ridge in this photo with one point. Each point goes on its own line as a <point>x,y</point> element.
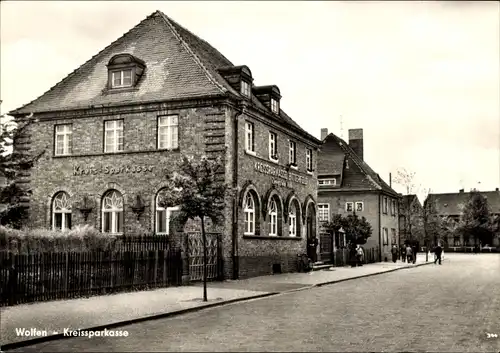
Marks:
<point>85,63</point>
<point>191,51</point>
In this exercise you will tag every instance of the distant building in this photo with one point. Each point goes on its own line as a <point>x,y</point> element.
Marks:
<point>347,185</point>
<point>411,219</point>
<point>450,205</point>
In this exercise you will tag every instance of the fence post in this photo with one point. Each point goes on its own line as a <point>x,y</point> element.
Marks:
<point>220,260</point>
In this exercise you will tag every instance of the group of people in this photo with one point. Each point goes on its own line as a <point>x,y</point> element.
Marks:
<point>356,254</point>
<point>406,253</point>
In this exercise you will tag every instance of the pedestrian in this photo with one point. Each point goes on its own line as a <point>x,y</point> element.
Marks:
<point>408,254</point>
<point>394,252</point>
<point>359,255</point>
<point>403,253</point>
<point>414,251</point>
<point>476,249</point>
<point>438,250</point>
<point>352,254</point>
<point>312,245</point>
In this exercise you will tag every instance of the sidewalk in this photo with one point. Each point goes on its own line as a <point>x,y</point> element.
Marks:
<point>119,309</point>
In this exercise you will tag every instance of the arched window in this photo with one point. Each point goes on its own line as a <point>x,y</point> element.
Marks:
<point>112,212</point>
<point>163,215</point>
<point>61,211</point>
<point>273,215</point>
<point>249,215</point>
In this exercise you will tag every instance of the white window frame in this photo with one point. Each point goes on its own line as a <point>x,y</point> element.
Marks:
<point>394,236</point>
<point>249,137</point>
<point>61,204</point>
<point>249,212</point>
<point>273,218</point>
<point>292,153</point>
<point>167,212</point>
<point>385,240</point>
<point>116,128</point>
<point>347,204</point>
<point>274,106</point>
<point>292,222</point>
<point>385,206</point>
<point>362,206</point>
<point>245,88</point>
<point>168,132</point>
<point>114,210</point>
<point>65,131</point>
<point>121,74</point>
<point>273,146</point>
<point>309,164</point>
<point>325,182</point>
<point>322,207</point>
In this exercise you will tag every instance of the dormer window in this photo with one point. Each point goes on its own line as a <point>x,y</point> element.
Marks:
<point>245,88</point>
<point>124,71</point>
<point>121,78</point>
<point>275,106</point>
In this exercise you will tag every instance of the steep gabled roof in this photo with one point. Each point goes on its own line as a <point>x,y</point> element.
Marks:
<point>451,204</point>
<point>406,201</point>
<point>359,175</point>
<point>179,65</point>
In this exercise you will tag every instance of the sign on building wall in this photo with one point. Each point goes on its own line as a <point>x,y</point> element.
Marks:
<point>108,169</point>
<point>282,176</point>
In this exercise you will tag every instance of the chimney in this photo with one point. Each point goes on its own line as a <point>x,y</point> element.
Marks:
<point>461,190</point>
<point>390,180</point>
<point>356,141</point>
<point>324,134</point>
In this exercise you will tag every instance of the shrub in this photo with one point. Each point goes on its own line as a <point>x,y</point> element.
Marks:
<point>78,239</point>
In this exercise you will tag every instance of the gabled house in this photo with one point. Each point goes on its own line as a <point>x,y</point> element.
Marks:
<point>411,219</point>
<point>450,206</point>
<point>114,127</point>
<point>347,185</point>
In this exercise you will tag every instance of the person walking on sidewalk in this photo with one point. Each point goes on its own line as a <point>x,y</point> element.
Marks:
<point>409,254</point>
<point>403,253</point>
<point>359,255</point>
<point>438,251</point>
<point>414,250</point>
<point>352,254</point>
<point>394,252</point>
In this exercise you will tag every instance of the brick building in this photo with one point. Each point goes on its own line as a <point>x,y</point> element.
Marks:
<point>115,126</point>
<point>346,185</point>
<point>450,205</point>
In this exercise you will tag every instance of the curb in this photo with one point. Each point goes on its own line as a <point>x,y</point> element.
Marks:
<point>30,342</point>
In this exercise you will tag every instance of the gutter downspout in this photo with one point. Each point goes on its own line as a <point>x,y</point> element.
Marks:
<point>380,241</point>
<point>234,254</point>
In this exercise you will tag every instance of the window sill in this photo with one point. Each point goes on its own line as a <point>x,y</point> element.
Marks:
<point>114,90</point>
<point>309,172</point>
<point>251,153</point>
<point>175,149</point>
<point>274,160</point>
<point>62,155</point>
<point>273,237</point>
<point>294,167</point>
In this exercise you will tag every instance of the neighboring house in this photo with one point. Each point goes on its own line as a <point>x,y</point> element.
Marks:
<point>450,206</point>
<point>347,185</point>
<point>411,219</point>
<point>115,126</point>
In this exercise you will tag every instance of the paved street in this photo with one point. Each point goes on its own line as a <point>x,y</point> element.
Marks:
<point>446,308</point>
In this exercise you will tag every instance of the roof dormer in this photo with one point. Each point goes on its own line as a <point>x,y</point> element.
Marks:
<point>124,71</point>
<point>239,77</point>
<point>270,96</point>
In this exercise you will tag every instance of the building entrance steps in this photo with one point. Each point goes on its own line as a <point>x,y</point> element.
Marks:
<point>97,313</point>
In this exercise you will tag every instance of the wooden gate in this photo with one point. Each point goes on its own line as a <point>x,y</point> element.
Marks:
<point>195,255</point>
<point>325,247</point>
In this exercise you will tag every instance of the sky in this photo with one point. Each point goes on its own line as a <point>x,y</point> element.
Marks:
<point>422,79</point>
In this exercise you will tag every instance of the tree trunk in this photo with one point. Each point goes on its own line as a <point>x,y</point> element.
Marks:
<point>204,237</point>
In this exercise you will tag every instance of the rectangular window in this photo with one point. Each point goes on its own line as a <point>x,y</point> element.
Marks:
<point>385,205</point>
<point>249,137</point>
<point>292,225</point>
<point>309,160</point>
<point>113,136</point>
<point>393,234</point>
<point>245,88</point>
<point>121,78</point>
<point>349,206</point>
<point>386,236</point>
<point>168,132</point>
<point>359,206</point>
<point>275,106</point>
<point>161,224</point>
<point>273,150</point>
<point>393,207</point>
<point>292,153</point>
<point>63,139</point>
<point>324,212</point>
<point>324,182</point>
